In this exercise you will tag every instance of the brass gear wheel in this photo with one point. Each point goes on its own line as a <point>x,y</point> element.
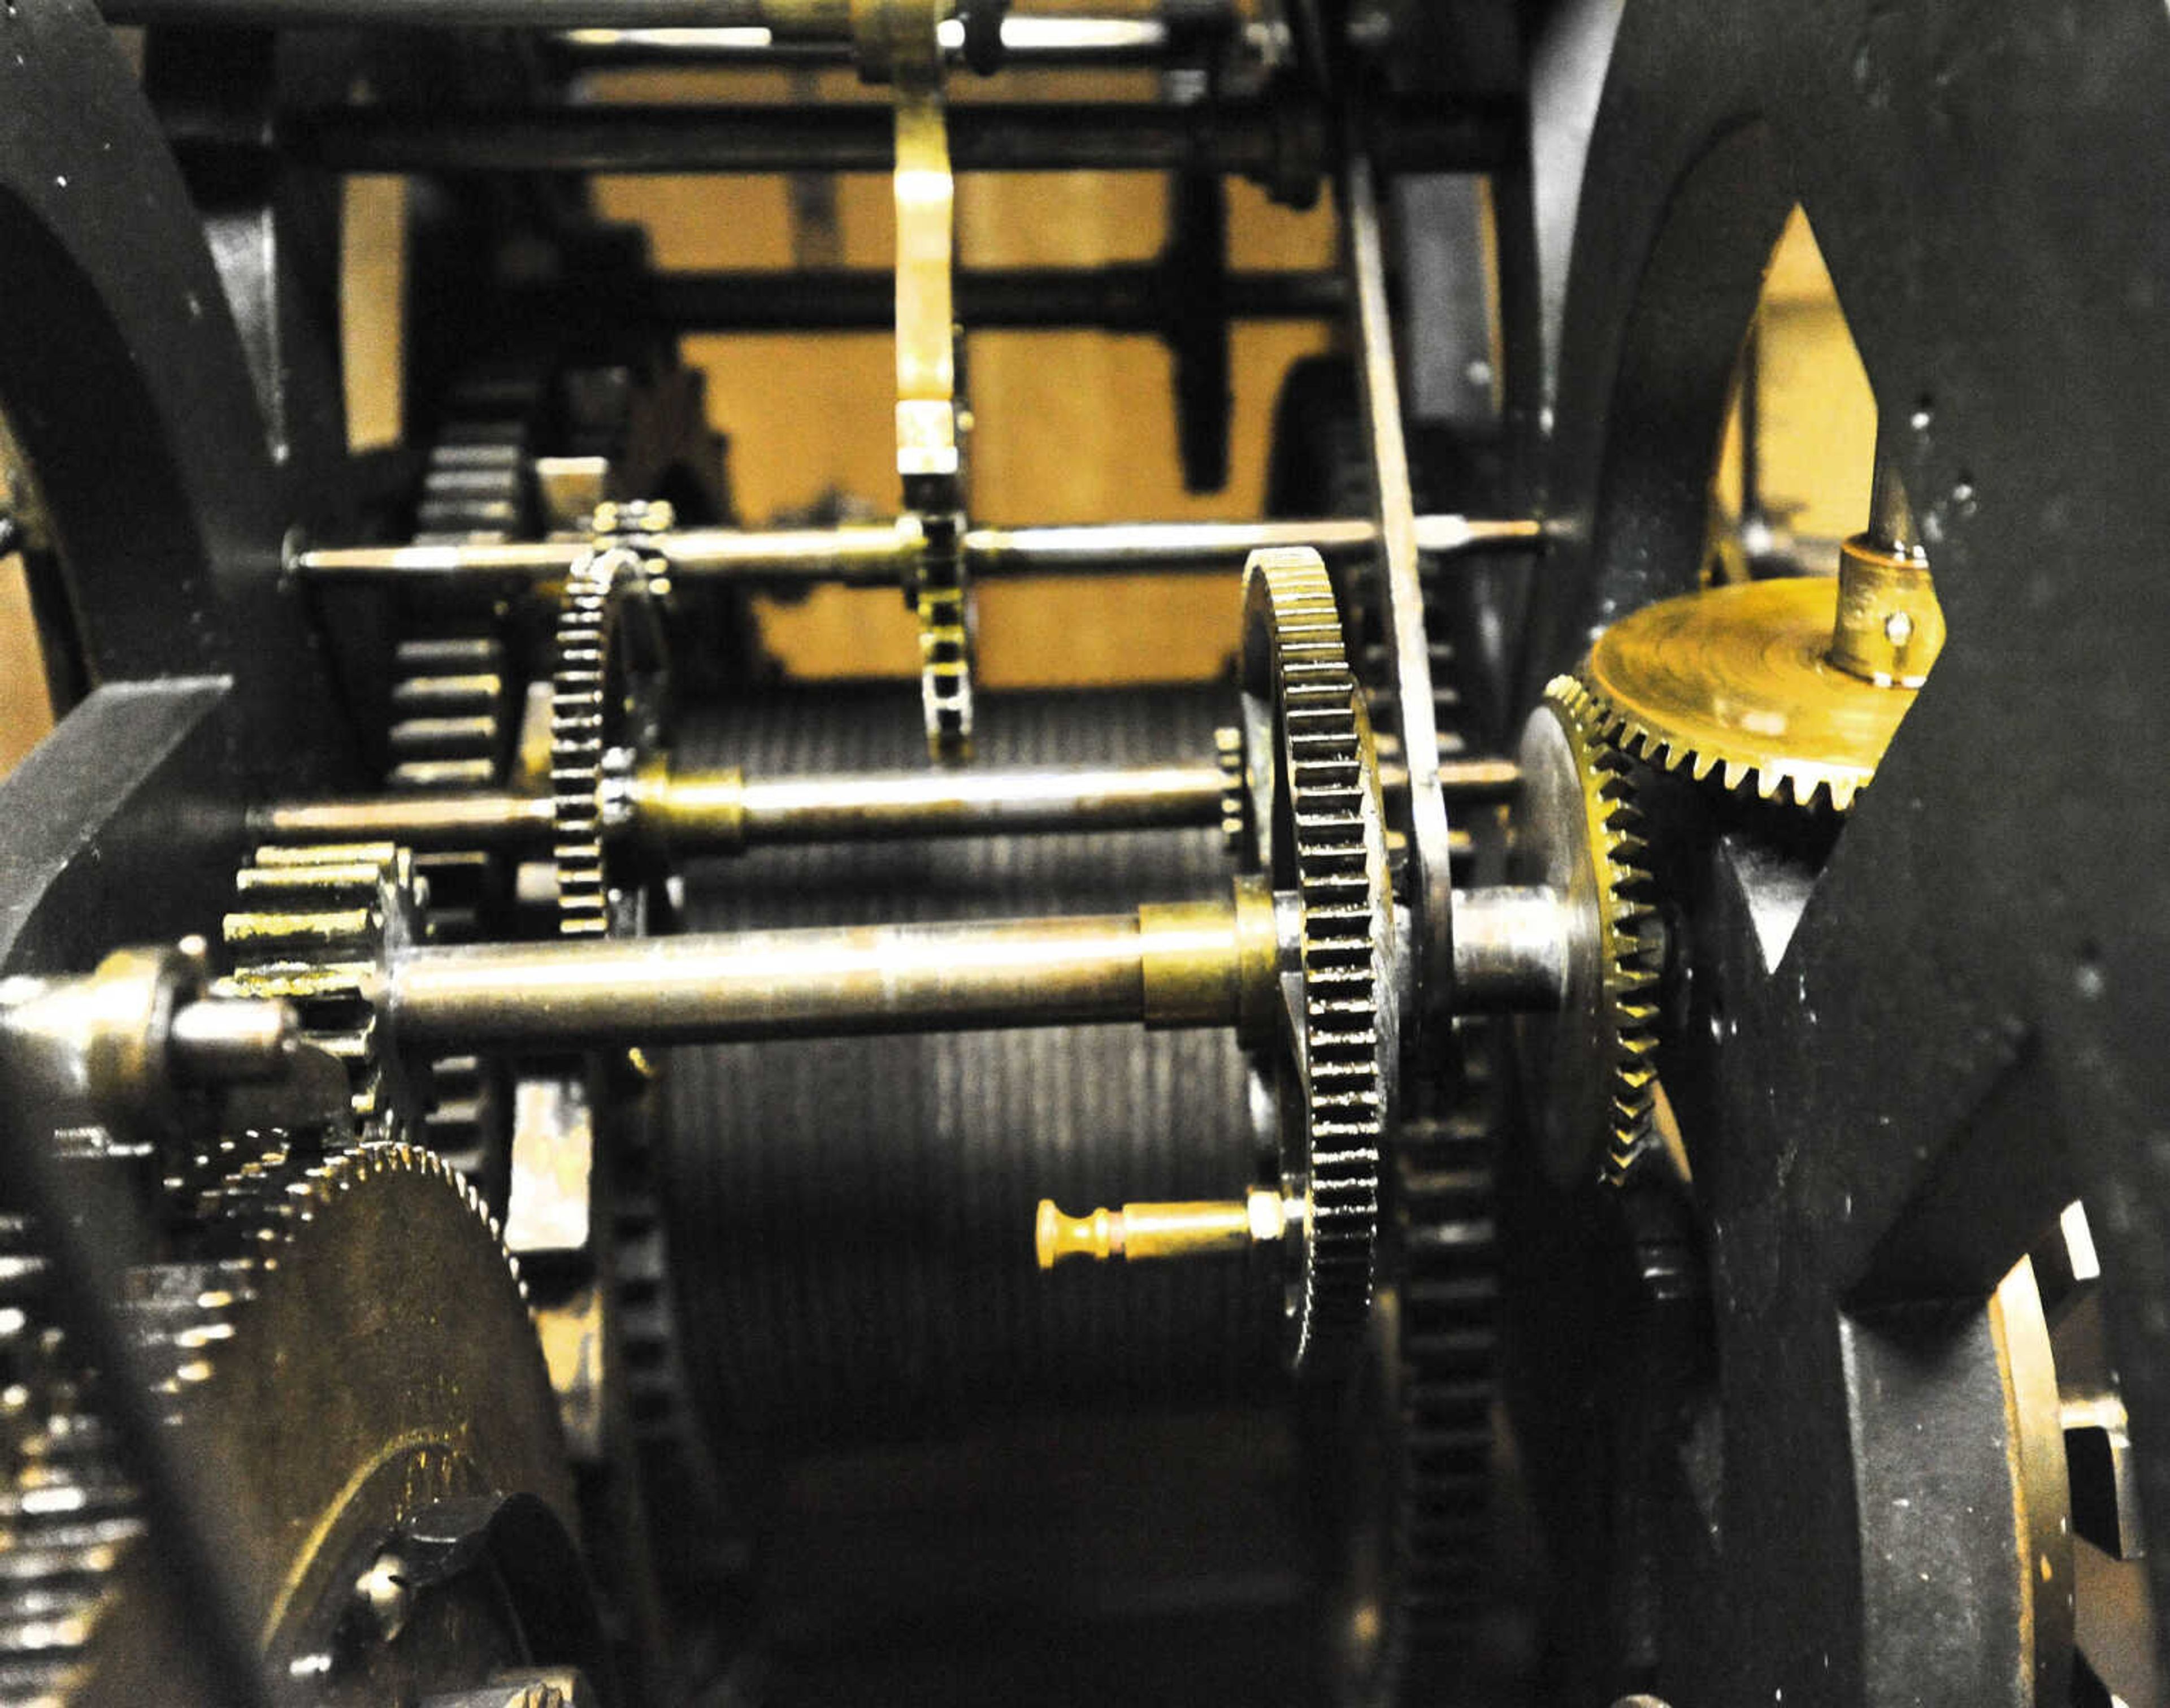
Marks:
<point>1590,1067</point>
<point>297,1271</point>
<point>942,600</point>
<point>1313,776</point>
<point>67,1517</point>
<point>314,925</point>
<point>1737,684</point>
<point>605,691</point>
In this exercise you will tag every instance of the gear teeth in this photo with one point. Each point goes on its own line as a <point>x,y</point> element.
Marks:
<point>1445,1334</point>
<point>1335,827</point>
<point>453,689</point>
<point>1599,739</point>
<point>945,667</point>
<point>448,704</point>
<point>590,671</point>
<point>65,1518</point>
<point>314,925</point>
<point>68,1516</point>
<point>1796,784</point>
<point>453,693</point>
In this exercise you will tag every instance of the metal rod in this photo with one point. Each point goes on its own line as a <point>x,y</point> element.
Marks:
<point>1176,966</point>
<point>1028,42</point>
<point>420,821</point>
<point>1086,40</point>
<point>1463,782</point>
<point>1193,964</point>
<point>232,1039</point>
<point>1890,517</point>
<point>675,32</point>
<point>1141,298</point>
<point>723,811</point>
<point>1510,948</point>
<point>875,555</point>
<point>1480,782</point>
<point>876,805</point>
<point>441,14</point>
<point>863,555</point>
<point>712,811</point>
<point>1125,548</point>
<point>1245,138</point>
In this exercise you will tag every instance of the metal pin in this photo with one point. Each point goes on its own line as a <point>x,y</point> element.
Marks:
<point>227,1040</point>
<point>1147,1231</point>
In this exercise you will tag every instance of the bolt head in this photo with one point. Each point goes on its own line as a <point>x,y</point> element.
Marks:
<point>385,1594</point>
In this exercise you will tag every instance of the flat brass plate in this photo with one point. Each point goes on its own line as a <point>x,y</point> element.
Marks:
<point>1735,682</point>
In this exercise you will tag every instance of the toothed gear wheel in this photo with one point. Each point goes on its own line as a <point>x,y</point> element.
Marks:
<point>1420,1578</point>
<point>315,925</point>
<point>66,1517</point>
<point>293,1266</point>
<point>1591,1069</point>
<point>942,601</point>
<point>451,699</point>
<point>449,703</point>
<point>475,487</point>
<point>606,688</point>
<point>1313,779</point>
<point>1735,685</point>
<point>1416,1440</point>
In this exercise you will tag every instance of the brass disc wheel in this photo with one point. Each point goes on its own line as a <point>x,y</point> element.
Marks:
<point>1736,685</point>
<point>345,1332</point>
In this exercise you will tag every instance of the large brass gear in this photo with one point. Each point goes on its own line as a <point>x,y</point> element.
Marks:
<point>1591,1067</point>
<point>367,1290</point>
<point>1737,682</point>
<point>1314,778</point>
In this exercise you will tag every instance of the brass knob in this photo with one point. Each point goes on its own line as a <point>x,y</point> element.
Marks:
<point>1145,1231</point>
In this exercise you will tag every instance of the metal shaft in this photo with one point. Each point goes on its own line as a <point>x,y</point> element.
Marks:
<point>1188,965</point>
<point>231,1040</point>
<point>1246,139</point>
<point>442,14</point>
<point>876,807</point>
<point>1191,964</point>
<point>1061,39</point>
<point>420,820</point>
<point>1463,782</point>
<point>875,555</point>
<point>1510,948</point>
<point>1134,297</point>
<point>668,31</point>
<point>1890,517</point>
<point>722,812</point>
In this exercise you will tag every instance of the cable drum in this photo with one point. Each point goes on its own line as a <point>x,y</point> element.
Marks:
<point>852,1219</point>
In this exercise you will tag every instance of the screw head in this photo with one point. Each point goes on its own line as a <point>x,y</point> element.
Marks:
<point>384,1591</point>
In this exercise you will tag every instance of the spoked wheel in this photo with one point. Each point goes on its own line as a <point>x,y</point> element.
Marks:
<point>1791,1408</point>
